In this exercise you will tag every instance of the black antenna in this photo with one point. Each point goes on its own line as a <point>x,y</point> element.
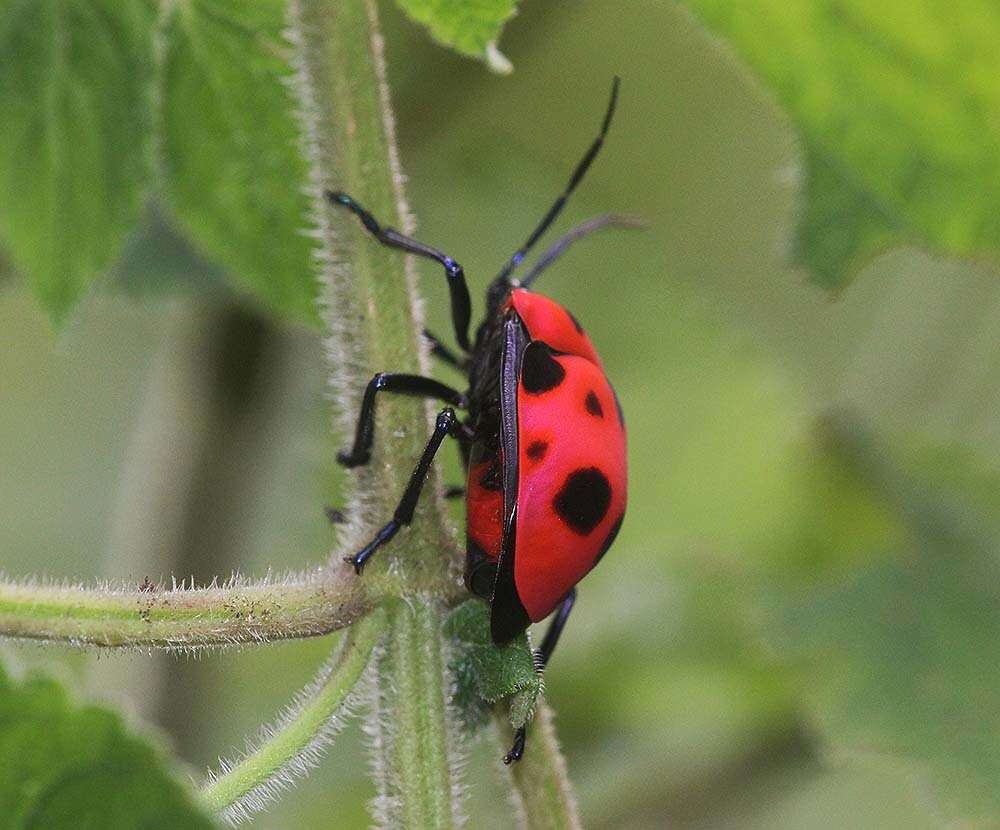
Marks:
<point>574,180</point>
<point>605,220</point>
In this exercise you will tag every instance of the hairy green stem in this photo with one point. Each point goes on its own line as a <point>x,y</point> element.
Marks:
<point>293,744</point>
<point>151,616</point>
<point>368,291</point>
<point>373,316</point>
<point>414,752</point>
<point>541,786</point>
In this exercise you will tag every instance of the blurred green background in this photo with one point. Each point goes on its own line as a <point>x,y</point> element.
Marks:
<point>744,657</point>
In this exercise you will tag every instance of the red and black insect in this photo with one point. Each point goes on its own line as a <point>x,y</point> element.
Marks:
<point>543,441</point>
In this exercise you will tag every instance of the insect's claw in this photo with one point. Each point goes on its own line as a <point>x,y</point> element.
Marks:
<point>517,750</point>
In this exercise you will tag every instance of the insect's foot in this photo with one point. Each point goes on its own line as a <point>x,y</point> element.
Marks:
<point>454,492</point>
<point>517,750</point>
<point>363,555</point>
<point>356,561</point>
<point>359,559</point>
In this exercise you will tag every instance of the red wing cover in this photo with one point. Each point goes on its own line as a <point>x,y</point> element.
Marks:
<point>571,491</point>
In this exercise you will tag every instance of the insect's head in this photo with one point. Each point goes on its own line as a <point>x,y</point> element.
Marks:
<point>498,291</point>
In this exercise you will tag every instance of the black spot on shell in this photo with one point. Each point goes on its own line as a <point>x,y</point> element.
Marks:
<point>492,478</point>
<point>536,450</point>
<point>576,322</point>
<point>540,372</point>
<point>593,405</point>
<point>584,499</point>
<point>609,539</point>
<point>618,406</point>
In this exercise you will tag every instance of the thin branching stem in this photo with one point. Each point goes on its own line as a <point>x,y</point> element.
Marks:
<point>414,745</point>
<point>542,788</point>
<point>291,746</point>
<point>181,618</point>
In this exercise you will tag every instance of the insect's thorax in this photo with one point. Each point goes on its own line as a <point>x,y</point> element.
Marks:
<point>484,372</point>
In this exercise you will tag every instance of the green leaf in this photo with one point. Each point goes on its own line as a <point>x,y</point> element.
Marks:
<point>914,347</point>
<point>900,658</point>
<point>75,82</point>
<point>471,27</point>
<point>70,767</point>
<point>487,673</point>
<point>156,260</point>
<point>234,172</point>
<point>898,106</point>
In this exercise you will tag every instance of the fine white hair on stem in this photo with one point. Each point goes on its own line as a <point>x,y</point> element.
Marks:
<point>541,792</point>
<point>379,729</point>
<point>284,778</point>
<point>515,795</point>
<point>286,750</point>
<point>406,217</point>
<point>178,616</point>
<point>457,739</point>
<point>407,726</point>
<point>345,345</point>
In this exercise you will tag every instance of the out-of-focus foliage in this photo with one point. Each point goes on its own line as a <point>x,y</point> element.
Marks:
<point>75,81</point>
<point>472,27</point>
<point>793,629</point>
<point>937,373</point>
<point>897,105</point>
<point>894,652</point>
<point>896,108</point>
<point>233,170</point>
<point>88,101</point>
<point>70,767</point>
<point>104,104</point>
<point>159,260</point>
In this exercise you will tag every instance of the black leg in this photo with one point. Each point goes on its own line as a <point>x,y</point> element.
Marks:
<point>574,180</point>
<point>423,387</point>
<point>447,424</point>
<point>461,309</point>
<point>455,491</point>
<point>517,750</point>
<point>556,628</point>
<point>442,352</point>
<point>541,661</point>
